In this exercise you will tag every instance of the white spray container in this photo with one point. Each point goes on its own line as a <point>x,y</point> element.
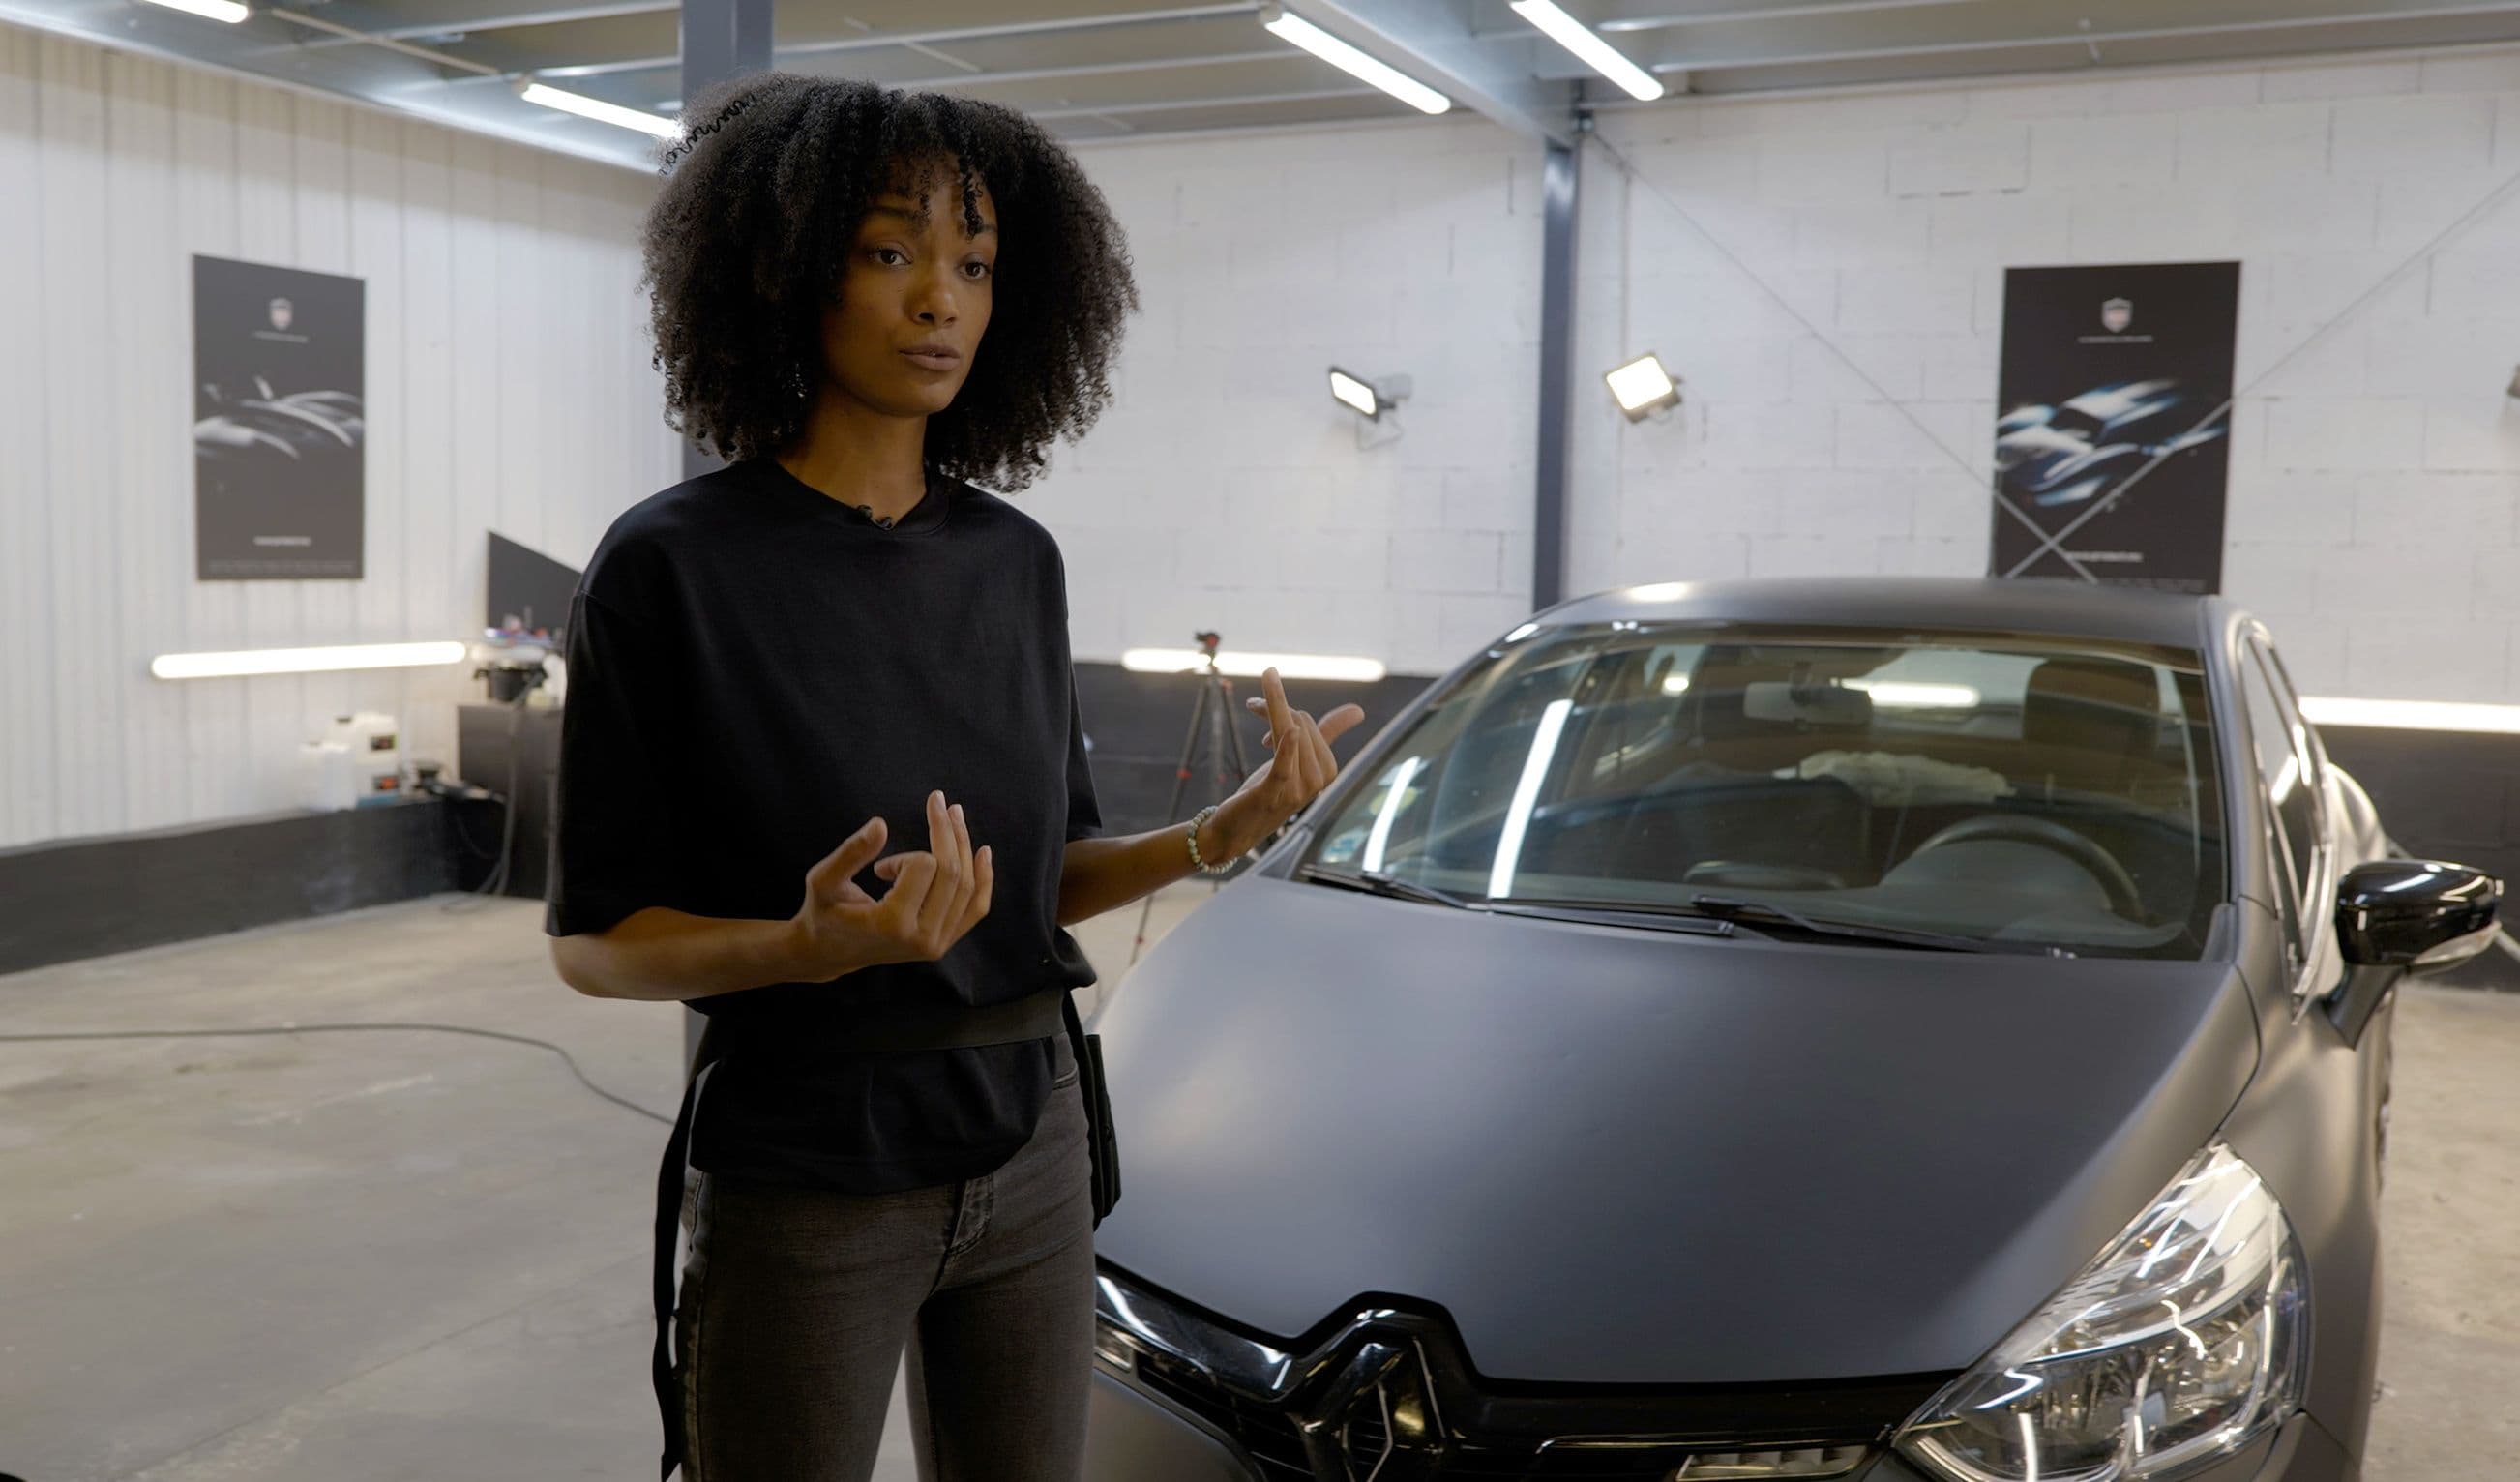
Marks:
<point>326,780</point>
<point>375,742</point>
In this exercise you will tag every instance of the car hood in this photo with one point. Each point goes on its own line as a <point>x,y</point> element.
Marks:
<point>1625,1156</point>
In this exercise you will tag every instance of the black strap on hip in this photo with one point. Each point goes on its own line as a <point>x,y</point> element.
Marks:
<point>951,1026</point>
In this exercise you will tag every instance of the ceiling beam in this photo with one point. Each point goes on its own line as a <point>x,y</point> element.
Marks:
<point>1432,41</point>
<point>921,41</point>
<point>1115,111</point>
<point>1926,30</point>
<point>511,20</point>
<point>1610,15</point>
<point>1082,69</point>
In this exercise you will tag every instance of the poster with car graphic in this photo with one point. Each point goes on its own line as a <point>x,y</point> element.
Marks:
<point>279,423</point>
<point>2113,421</point>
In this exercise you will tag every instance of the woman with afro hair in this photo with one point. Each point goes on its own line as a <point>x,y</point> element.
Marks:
<point>877,308</point>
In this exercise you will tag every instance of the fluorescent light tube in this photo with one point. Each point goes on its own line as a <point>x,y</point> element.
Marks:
<point>2412,715</point>
<point>1356,63</point>
<point>216,10</point>
<point>1356,393</point>
<point>1526,793</point>
<point>1287,665</point>
<point>599,110</point>
<point>305,660</point>
<point>1590,49</point>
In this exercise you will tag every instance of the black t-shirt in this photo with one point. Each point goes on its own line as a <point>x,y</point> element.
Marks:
<point>754,670</point>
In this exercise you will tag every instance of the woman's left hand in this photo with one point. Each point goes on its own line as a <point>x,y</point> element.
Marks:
<point>1300,767</point>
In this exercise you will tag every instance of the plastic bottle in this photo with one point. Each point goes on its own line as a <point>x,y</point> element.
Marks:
<point>326,777</point>
<point>375,743</point>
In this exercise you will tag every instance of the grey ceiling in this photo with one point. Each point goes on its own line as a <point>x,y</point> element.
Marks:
<point>1109,69</point>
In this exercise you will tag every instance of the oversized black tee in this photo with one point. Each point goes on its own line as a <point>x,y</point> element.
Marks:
<point>754,670</point>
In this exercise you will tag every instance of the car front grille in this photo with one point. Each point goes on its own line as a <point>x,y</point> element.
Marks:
<point>1386,1394</point>
<point>1277,1447</point>
<point>1266,1432</point>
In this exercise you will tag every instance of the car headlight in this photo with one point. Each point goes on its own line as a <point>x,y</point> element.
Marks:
<point>2184,1340</point>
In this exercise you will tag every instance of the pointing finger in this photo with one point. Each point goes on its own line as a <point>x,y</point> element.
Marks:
<point>1341,720</point>
<point>1281,714</point>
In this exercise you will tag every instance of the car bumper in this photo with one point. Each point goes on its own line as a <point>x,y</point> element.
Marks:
<point>1133,1436</point>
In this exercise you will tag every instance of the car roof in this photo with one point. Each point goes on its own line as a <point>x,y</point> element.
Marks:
<point>2048,607</point>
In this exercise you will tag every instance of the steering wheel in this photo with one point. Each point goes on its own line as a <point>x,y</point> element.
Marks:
<point>2124,898</point>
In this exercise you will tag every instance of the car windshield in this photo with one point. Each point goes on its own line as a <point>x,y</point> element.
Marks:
<point>1996,788</point>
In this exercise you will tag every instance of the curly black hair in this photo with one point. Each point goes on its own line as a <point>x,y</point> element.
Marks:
<point>748,237</point>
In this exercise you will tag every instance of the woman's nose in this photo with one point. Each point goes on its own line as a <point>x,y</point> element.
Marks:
<point>935,305</point>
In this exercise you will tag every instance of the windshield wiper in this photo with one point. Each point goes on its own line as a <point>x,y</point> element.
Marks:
<point>1377,882</point>
<point>1764,912</point>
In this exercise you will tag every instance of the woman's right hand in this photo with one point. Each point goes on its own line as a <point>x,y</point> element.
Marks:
<point>937,895</point>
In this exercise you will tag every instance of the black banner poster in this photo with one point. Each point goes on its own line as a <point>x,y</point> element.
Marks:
<point>279,423</point>
<point>2108,373</point>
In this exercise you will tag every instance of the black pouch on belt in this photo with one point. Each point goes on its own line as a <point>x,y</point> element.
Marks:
<point>1098,1112</point>
<point>923,1028</point>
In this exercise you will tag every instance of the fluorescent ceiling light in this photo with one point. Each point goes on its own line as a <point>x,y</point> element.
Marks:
<point>1592,50</point>
<point>1675,684</point>
<point>1356,63</point>
<point>305,660</point>
<point>1380,839</point>
<point>1643,385</point>
<point>216,10</point>
<point>1287,665</point>
<point>2412,715</point>
<point>597,109</point>
<point>1355,393</point>
<point>1526,791</point>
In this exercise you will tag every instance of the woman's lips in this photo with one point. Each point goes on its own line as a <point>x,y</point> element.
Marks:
<point>936,360</point>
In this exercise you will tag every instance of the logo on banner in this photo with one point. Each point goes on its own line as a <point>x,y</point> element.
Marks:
<point>282,311</point>
<point>2116,314</point>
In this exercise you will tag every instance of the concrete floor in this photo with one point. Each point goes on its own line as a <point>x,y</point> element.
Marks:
<point>415,1256</point>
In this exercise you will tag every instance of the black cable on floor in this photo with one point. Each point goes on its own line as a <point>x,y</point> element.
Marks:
<point>487,1034</point>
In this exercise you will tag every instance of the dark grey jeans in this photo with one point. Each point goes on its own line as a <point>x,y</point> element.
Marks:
<point>798,1304</point>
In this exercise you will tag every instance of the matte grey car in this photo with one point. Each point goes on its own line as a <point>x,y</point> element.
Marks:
<point>1891,1029</point>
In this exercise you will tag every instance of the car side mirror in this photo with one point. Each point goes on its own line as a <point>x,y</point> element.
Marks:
<point>2403,915</point>
<point>2418,915</point>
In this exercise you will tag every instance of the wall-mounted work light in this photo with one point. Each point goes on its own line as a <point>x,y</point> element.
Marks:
<point>1372,401</point>
<point>1371,398</point>
<point>1644,387</point>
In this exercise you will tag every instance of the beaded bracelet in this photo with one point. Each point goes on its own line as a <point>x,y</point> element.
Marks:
<point>1198,865</point>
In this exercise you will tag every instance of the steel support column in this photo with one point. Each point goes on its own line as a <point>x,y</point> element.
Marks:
<point>720,39</point>
<point>1557,182</point>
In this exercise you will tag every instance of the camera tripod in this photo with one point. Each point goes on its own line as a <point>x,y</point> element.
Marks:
<point>1213,714</point>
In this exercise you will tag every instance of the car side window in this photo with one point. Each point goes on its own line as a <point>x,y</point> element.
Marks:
<point>2291,824</point>
<point>2305,736</point>
<point>2306,806</point>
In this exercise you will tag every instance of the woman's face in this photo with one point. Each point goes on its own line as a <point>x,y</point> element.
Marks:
<point>900,335</point>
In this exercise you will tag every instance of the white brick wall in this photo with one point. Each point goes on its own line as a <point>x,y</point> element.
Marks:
<point>2375,477</point>
<point>2375,474</point>
<point>1225,489</point>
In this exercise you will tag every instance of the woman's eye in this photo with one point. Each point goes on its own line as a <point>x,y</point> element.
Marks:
<point>888,255</point>
<point>978,270</point>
